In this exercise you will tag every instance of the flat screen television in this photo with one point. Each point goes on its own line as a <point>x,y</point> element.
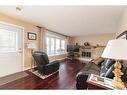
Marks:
<point>72,48</point>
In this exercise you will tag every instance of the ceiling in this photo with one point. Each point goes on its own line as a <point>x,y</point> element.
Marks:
<point>70,20</point>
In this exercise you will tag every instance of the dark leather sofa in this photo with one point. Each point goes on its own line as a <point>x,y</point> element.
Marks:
<point>104,69</point>
<point>44,66</point>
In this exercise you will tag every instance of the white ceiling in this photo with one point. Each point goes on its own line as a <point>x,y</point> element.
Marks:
<point>70,20</point>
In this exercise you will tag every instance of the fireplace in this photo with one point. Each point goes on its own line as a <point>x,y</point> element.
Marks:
<point>86,53</point>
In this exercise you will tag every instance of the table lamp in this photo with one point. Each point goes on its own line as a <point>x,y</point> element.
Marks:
<point>31,46</point>
<point>116,49</point>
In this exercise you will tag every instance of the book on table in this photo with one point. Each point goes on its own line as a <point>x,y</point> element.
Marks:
<point>102,81</point>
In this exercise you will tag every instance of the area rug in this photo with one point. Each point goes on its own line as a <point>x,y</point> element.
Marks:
<point>12,77</point>
<point>43,76</point>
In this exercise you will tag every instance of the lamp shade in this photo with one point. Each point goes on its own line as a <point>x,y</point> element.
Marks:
<point>31,45</point>
<point>116,49</point>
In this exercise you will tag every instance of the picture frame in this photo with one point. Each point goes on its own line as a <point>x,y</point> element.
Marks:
<point>123,35</point>
<point>32,36</point>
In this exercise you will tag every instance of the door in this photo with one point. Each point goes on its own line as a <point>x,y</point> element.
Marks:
<point>11,46</point>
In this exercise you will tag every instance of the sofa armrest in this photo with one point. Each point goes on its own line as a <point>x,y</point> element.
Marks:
<point>81,80</point>
<point>51,67</point>
<point>54,63</point>
<point>81,76</point>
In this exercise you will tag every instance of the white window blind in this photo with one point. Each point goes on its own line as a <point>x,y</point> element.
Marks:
<point>8,40</point>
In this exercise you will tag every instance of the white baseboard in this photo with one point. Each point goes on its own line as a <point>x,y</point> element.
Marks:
<point>61,58</point>
<point>29,68</point>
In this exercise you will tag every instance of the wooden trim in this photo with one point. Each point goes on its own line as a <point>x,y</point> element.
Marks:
<point>92,85</point>
<point>99,46</point>
<point>123,33</point>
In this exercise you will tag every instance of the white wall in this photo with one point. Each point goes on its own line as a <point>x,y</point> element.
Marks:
<point>122,26</point>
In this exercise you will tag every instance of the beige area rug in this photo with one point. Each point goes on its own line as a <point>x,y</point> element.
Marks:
<point>43,76</point>
<point>12,77</point>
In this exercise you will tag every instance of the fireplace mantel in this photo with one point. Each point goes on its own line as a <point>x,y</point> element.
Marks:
<point>91,46</point>
<point>91,51</point>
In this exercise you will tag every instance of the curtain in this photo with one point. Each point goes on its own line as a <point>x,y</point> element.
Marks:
<point>42,37</point>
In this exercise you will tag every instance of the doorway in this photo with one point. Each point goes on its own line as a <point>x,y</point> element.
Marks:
<point>11,49</point>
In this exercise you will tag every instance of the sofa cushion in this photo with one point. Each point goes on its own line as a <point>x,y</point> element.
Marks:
<point>106,66</point>
<point>98,61</point>
<point>109,62</point>
<point>92,66</point>
<point>109,73</point>
<point>95,67</point>
<point>103,70</point>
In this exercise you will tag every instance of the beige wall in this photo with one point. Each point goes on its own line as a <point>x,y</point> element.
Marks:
<point>28,27</point>
<point>95,39</point>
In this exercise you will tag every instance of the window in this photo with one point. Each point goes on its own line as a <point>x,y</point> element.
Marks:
<point>55,45</point>
<point>52,45</point>
<point>47,44</point>
<point>8,41</point>
<point>62,45</point>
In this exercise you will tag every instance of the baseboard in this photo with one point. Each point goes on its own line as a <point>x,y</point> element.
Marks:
<point>29,68</point>
<point>61,59</point>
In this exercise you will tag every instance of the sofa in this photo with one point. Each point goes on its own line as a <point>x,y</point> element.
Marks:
<point>104,69</point>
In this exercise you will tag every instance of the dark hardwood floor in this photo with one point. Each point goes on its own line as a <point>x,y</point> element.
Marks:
<point>65,79</point>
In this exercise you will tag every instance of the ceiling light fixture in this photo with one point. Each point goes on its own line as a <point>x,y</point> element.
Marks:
<point>18,9</point>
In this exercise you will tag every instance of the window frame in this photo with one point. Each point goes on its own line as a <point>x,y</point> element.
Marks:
<point>55,37</point>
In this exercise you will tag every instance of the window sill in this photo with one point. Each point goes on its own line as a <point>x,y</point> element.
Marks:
<point>57,54</point>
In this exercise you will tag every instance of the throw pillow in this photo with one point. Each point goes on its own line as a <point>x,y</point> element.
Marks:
<point>109,62</point>
<point>109,73</point>
<point>98,60</point>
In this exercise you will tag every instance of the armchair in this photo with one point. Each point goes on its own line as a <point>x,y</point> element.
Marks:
<point>44,66</point>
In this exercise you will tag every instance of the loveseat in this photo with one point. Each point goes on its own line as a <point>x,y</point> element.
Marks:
<point>104,69</point>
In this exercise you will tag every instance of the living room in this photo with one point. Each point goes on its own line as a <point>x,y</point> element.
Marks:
<point>63,47</point>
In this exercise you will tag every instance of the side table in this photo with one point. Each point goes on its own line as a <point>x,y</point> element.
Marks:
<point>95,82</point>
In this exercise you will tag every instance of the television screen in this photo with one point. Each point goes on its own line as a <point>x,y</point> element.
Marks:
<point>72,48</point>
<point>76,48</point>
